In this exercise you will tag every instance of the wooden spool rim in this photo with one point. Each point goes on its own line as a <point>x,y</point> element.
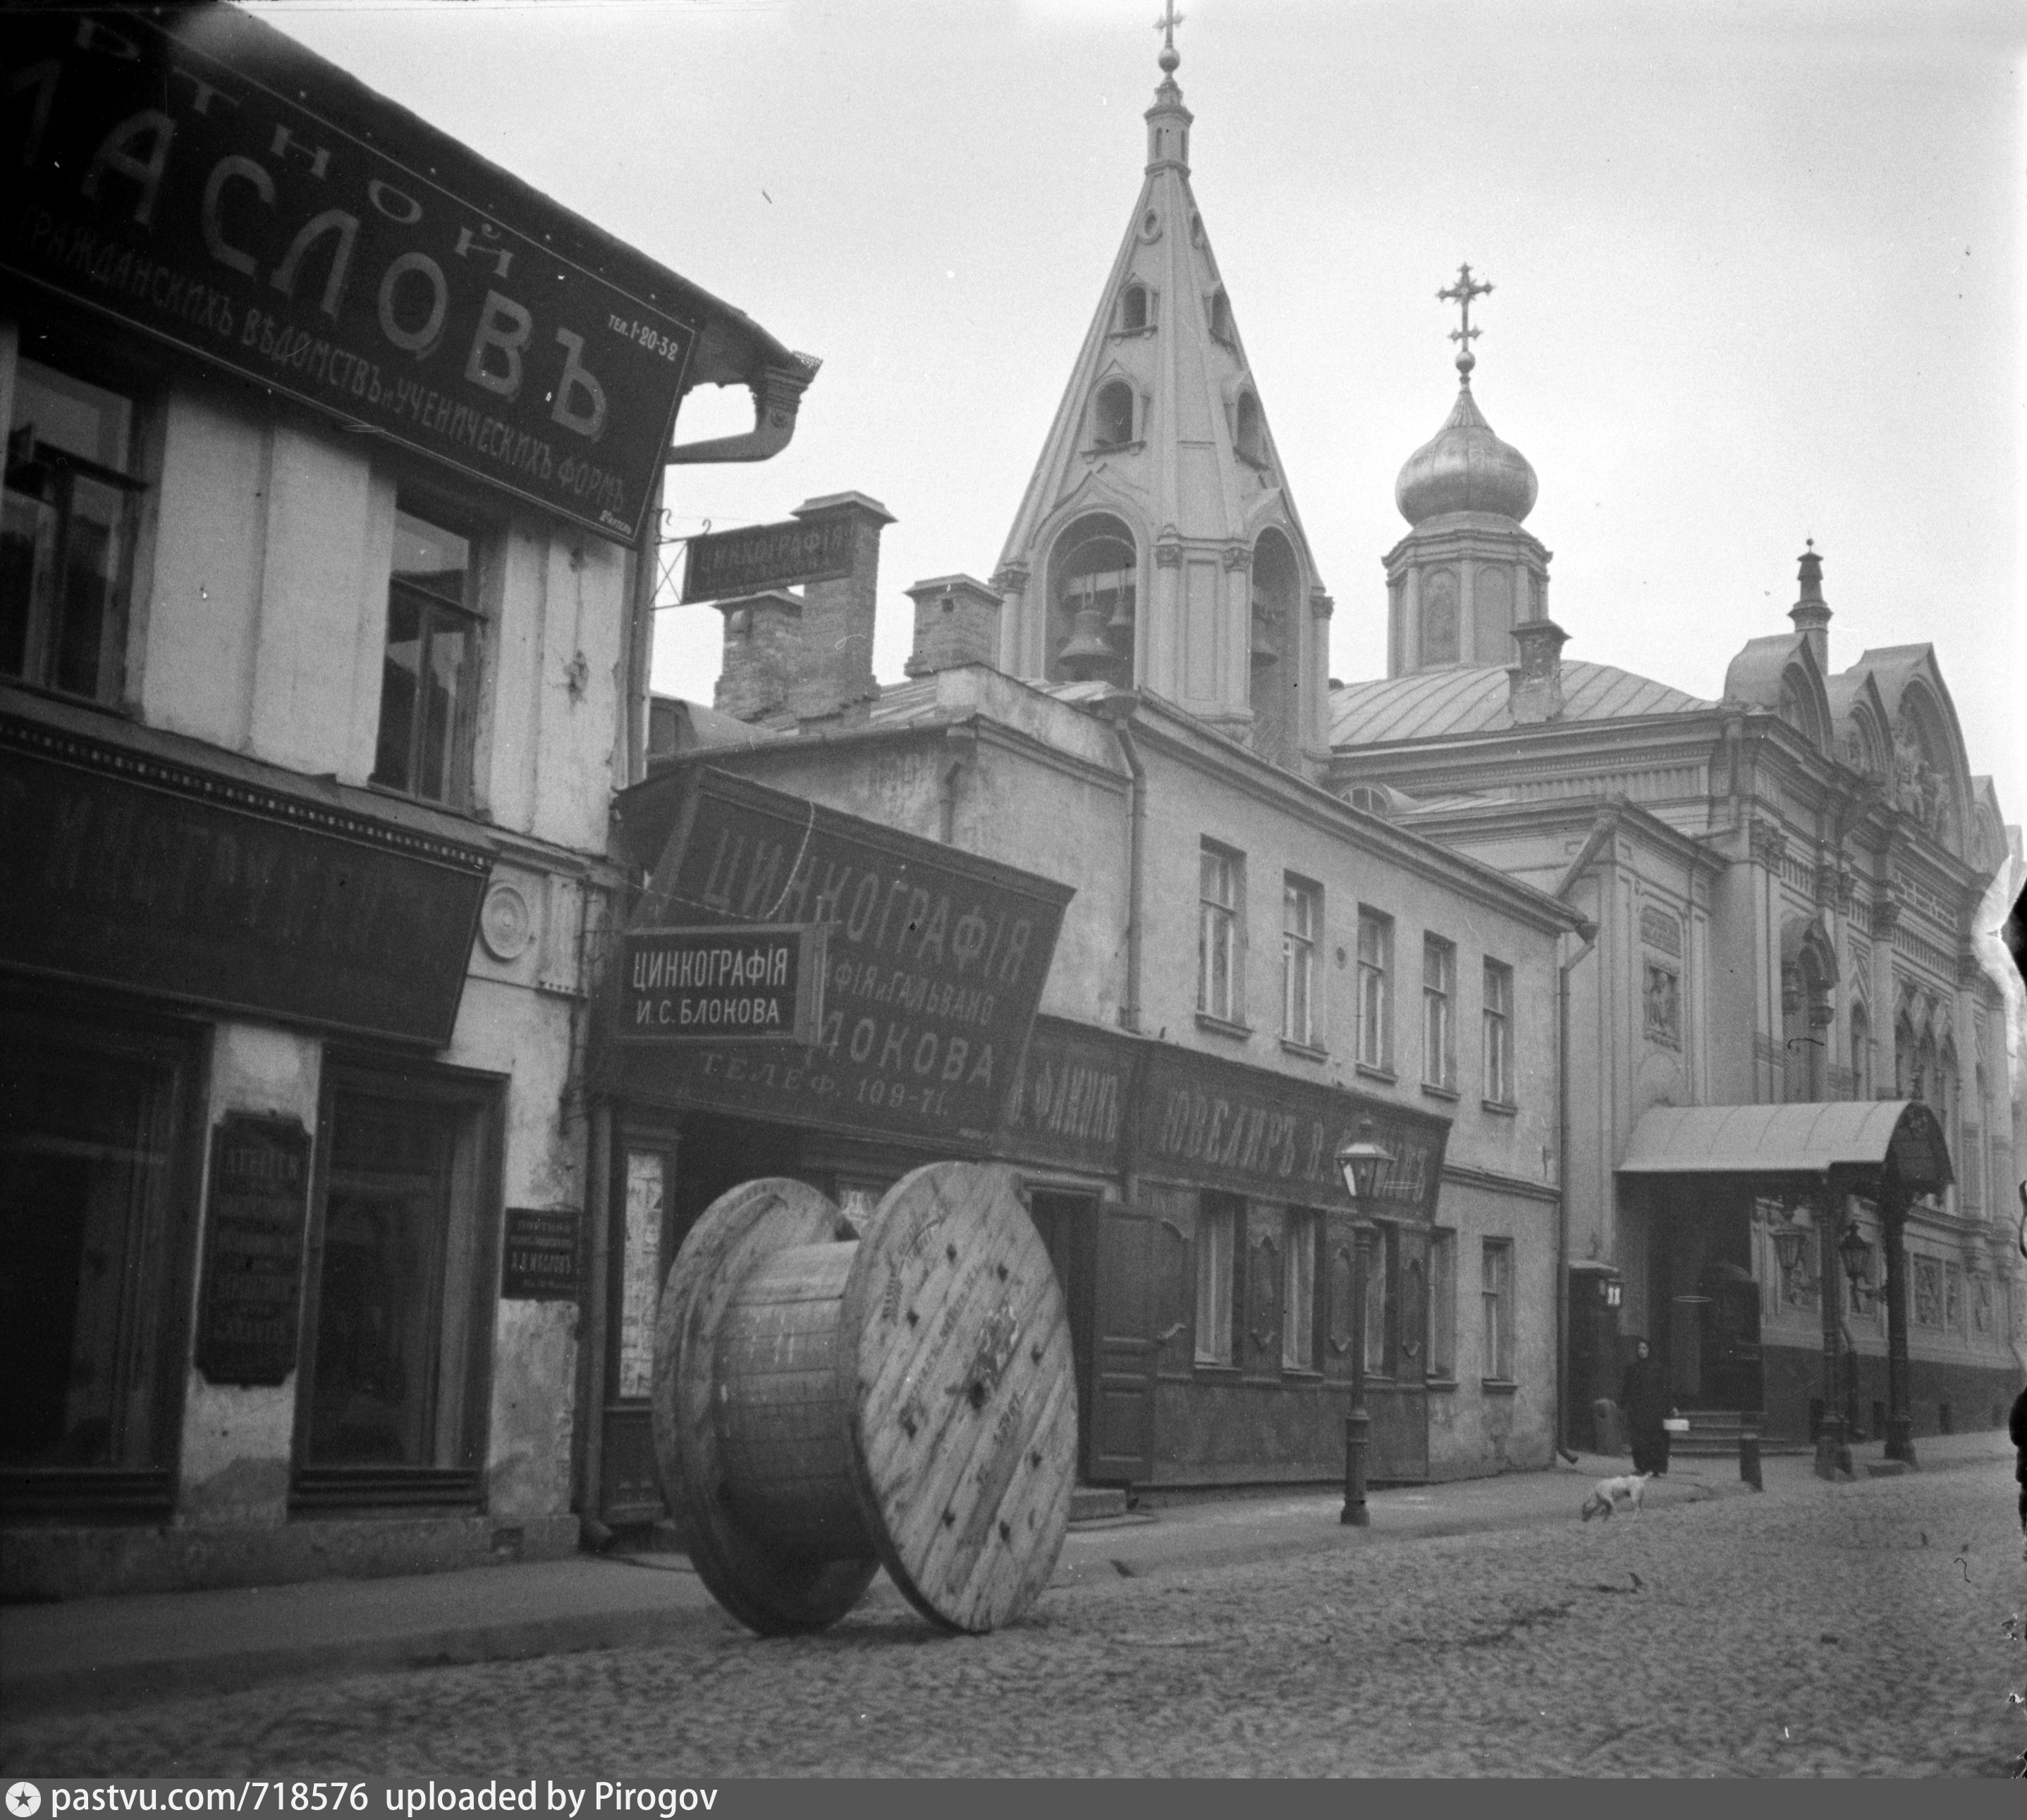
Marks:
<point>1033,1397</point>
<point>765,1590</point>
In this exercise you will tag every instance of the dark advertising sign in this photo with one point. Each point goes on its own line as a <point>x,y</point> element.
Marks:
<point>1224,1126</point>
<point>178,180</point>
<point>1071,1098</point>
<point>817,549</point>
<point>251,1298</point>
<point>934,965</point>
<point>538,1261</point>
<point>743,984</point>
<point>134,871</point>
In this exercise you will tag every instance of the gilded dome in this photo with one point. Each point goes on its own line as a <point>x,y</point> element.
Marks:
<point>1465,468</point>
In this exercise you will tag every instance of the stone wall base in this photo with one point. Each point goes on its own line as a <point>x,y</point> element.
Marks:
<point>54,1561</point>
<point>1976,1396</point>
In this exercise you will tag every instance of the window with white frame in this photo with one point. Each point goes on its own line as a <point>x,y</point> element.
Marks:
<point>1499,1086</point>
<point>1222,874</point>
<point>1217,1223</point>
<point>430,667</point>
<point>1439,1013</point>
<point>1298,1300</point>
<point>1442,1304</point>
<point>1375,989</point>
<point>1498,1296</point>
<point>1301,928</point>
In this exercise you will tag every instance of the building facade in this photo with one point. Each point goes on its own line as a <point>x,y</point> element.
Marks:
<point>322,650</point>
<point>1791,885</point>
<point>1251,970</point>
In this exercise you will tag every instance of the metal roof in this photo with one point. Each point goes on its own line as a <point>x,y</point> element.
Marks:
<point>1791,1140</point>
<point>1437,703</point>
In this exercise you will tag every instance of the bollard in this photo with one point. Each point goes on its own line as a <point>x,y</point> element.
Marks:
<point>1358,1426</point>
<point>1748,1453</point>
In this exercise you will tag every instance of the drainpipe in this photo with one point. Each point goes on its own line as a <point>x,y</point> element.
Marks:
<point>962,747</point>
<point>1119,710</point>
<point>1603,827</point>
<point>777,395</point>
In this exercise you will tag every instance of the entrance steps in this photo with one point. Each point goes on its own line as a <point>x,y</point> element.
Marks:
<point>1714,1434</point>
<point>1096,1503</point>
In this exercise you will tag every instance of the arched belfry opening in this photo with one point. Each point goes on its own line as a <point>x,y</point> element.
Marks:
<point>1274,637</point>
<point>1093,582</point>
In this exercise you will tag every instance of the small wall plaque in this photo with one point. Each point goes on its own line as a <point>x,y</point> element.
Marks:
<point>539,1261</point>
<point>252,1303</point>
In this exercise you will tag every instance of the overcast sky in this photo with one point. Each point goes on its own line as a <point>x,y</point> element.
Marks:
<point>1757,272</point>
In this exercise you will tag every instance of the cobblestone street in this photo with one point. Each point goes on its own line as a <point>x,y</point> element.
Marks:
<point>1855,1629</point>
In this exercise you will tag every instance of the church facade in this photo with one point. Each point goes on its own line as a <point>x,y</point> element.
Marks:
<point>1786,879</point>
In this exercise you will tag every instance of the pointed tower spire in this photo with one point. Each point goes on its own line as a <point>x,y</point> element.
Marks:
<point>1812,613</point>
<point>1156,546</point>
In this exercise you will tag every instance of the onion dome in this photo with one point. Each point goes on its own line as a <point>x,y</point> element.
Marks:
<point>1465,468</point>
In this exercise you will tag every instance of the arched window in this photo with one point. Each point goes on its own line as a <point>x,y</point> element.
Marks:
<point>1796,707</point>
<point>1439,618</point>
<point>1220,317</point>
<point>1973,1167</point>
<point>1861,1053</point>
<point>1906,1079</point>
<point>1133,309</point>
<point>1248,437</point>
<point>1093,575</point>
<point>1113,415</point>
<point>1949,1109</point>
<point>1276,635</point>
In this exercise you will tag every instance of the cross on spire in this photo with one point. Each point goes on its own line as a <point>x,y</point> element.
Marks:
<point>1166,25</point>
<point>1461,294</point>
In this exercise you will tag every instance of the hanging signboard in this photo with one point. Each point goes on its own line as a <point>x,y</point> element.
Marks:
<point>756,983</point>
<point>722,564</point>
<point>933,965</point>
<point>251,1299</point>
<point>174,172</point>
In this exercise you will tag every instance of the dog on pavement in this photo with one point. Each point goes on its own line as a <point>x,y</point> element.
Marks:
<point>1610,1495</point>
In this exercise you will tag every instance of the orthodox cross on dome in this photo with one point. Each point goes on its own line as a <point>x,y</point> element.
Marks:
<point>1461,294</point>
<point>1166,25</point>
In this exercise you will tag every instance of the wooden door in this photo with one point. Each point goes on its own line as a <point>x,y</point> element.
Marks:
<point>1119,1423</point>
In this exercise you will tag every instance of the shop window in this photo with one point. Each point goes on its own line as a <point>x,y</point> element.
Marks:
<point>1442,1305</point>
<point>1302,929</point>
<point>429,674</point>
<point>1298,1298</point>
<point>1499,1086</point>
<point>1439,1014</point>
<point>95,1184</point>
<point>401,1289</point>
<point>1112,416</point>
<point>1220,933</point>
<point>1375,989</point>
<point>67,537</point>
<point>641,1269</point>
<point>1217,1287</point>
<point>1497,1296</point>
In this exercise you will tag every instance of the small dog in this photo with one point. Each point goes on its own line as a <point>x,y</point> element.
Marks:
<point>1609,1495</point>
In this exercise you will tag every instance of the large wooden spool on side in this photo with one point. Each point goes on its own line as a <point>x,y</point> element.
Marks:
<point>826,1405</point>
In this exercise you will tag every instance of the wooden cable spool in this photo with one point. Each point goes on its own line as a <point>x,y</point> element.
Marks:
<point>829,1402</point>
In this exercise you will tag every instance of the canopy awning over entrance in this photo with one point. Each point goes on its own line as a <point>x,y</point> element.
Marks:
<point>1793,1140</point>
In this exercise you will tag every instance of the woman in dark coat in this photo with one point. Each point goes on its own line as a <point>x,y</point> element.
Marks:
<point>1645,1399</point>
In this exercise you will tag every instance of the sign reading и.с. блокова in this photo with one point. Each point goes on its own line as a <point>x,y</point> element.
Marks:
<point>157,172</point>
<point>933,966</point>
<point>755,983</point>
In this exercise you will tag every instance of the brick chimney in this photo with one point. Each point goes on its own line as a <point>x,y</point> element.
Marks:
<point>763,648</point>
<point>956,620</point>
<point>834,677</point>
<point>1534,690</point>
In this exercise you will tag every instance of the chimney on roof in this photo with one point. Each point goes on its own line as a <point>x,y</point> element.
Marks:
<point>1534,692</point>
<point>956,620</point>
<point>763,651</point>
<point>834,680</point>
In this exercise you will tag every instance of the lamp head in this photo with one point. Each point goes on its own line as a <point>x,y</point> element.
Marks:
<point>1360,1161</point>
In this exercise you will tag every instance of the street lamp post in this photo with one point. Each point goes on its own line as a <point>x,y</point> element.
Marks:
<point>1359,1162</point>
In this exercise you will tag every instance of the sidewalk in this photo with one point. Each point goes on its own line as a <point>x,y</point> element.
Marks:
<point>96,1653</point>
